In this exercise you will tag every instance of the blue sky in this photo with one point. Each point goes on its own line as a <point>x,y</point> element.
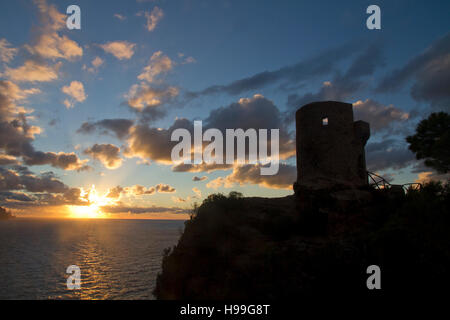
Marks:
<point>228,47</point>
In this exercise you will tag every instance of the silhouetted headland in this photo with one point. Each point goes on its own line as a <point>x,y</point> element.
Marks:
<point>321,240</point>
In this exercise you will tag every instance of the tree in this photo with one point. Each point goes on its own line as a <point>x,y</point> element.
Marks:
<point>432,141</point>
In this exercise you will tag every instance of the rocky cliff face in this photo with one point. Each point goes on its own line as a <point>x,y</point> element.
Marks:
<point>315,243</point>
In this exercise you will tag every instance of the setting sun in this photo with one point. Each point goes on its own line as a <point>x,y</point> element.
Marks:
<point>92,209</point>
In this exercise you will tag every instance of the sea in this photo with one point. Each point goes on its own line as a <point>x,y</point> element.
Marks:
<point>117,259</point>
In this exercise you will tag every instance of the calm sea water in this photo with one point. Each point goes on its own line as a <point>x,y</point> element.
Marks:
<point>119,259</point>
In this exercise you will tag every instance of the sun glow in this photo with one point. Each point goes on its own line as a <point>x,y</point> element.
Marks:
<point>92,209</point>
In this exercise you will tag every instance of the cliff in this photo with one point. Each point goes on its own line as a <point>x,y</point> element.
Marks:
<point>317,243</point>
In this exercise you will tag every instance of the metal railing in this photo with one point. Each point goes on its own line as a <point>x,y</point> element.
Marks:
<point>380,183</point>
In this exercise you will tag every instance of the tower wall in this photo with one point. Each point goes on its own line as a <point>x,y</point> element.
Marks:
<point>330,146</point>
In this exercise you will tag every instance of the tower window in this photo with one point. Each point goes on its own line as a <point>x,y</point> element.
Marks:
<point>325,121</point>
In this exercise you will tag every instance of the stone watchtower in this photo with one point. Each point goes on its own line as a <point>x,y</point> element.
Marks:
<point>330,146</point>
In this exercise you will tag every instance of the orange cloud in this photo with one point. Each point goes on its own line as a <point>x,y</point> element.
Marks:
<point>122,50</point>
<point>31,71</point>
<point>76,91</point>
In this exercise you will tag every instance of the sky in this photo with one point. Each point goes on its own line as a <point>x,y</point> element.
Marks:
<point>86,115</point>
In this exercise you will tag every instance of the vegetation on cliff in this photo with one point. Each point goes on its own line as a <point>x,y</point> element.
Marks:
<point>319,243</point>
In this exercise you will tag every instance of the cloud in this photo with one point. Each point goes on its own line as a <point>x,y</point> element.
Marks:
<point>49,43</point>
<point>142,98</point>
<point>138,190</point>
<point>122,50</point>
<point>250,174</point>
<point>189,60</point>
<point>201,167</point>
<point>342,86</point>
<point>115,193</point>
<point>53,46</point>
<point>7,53</point>
<point>180,200</point>
<point>8,160</point>
<point>96,64</point>
<point>76,91</point>
<point>154,143</point>
<point>427,176</point>
<point>159,64</point>
<point>32,71</point>
<point>119,16</point>
<point>430,73</point>
<point>62,160</point>
<point>13,180</point>
<point>378,115</point>
<point>388,154</point>
<point>198,192</point>
<point>148,102</point>
<point>19,187</point>
<point>257,112</point>
<point>119,127</point>
<point>164,188</point>
<point>199,178</point>
<point>300,72</point>
<point>107,154</point>
<point>143,210</point>
<point>17,135</point>
<point>153,18</point>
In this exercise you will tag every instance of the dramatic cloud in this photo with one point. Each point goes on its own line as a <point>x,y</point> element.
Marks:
<point>16,135</point>
<point>153,18</point>
<point>430,71</point>
<point>119,127</point>
<point>62,160</point>
<point>7,160</point>
<point>6,52</point>
<point>32,71</point>
<point>107,154</point>
<point>122,50</point>
<point>76,91</point>
<point>251,174</point>
<point>20,187</point>
<point>154,143</point>
<point>342,87</point>
<point>159,63</point>
<point>307,70</point>
<point>379,116</point>
<point>388,154</point>
<point>257,112</point>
